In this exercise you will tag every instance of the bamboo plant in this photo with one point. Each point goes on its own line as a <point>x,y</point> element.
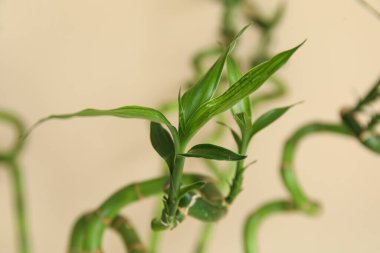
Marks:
<point>228,31</point>
<point>196,195</point>
<point>184,194</point>
<point>233,11</point>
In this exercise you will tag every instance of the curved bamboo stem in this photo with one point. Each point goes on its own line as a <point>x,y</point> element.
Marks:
<point>254,220</point>
<point>207,205</point>
<point>20,207</point>
<point>9,158</point>
<point>287,165</point>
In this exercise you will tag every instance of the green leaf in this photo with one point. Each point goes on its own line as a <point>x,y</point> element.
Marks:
<point>162,143</point>
<point>233,75</point>
<point>237,138</point>
<point>235,135</point>
<point>191,187</point>
<point>372,95</point>
<point>121,112</point>
<point>268,118</point>
<point>209,151</point>
<point>249,164</point>
<point>205,89</point>
<point>247,84</point>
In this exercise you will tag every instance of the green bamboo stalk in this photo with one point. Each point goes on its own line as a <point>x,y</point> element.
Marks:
<point>237,181</point>
<point>19,206</point>
<point>287,166</point>
<point>204,238</point>
<point>155,236</point>
<point>120,225</point>
<point>168,218</point>
<point>9,158</point>
<point>206,205</point>
<point>128,234</point>
<point>77,235</point>
<point>299,200</point>
<point>97,223</point>
<point>255,219</point>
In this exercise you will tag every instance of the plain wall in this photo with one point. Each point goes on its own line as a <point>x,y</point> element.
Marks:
<point>62,56</point>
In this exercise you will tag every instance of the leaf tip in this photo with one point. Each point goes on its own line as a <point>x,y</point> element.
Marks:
<point>249,164</point>
<point>297,103</point>
<point>301,44</point>
<point>294,49</point>
<point>233,43</point>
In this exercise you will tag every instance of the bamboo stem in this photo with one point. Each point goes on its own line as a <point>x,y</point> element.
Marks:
<point>19,206</point>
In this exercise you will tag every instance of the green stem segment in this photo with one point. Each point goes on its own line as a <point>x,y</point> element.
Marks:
<point>255,219</point>
<point>155,236</point>
<point>77,235</point>
<point>204,238</point>
<point>299,201</point>
<point>97,222</point>
<point>128,234</point>
<point>206,205</point>
<point>121,226</point>
<point>168,218</point>
<point>237,182</point>
<point>19,205</point>
<point>287,166</point>
<point>9,158</point>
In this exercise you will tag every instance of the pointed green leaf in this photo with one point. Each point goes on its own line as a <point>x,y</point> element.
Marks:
<point>191,187</point>
<point>268,118</point>
<point>233,75</point>
<point>162,143</point>
<point>249,164</point>
<point>138,112</point>
<point>237,138</point>
<point>372,95</point>
<point>209,151</point>
<point>235,135</point>
<point>204,90</point>
<point>250,82</point>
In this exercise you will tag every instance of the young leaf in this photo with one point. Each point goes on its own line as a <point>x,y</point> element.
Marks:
<point>121,112</point>
<point>250,82</point>
<point>209,151</point>
<point>204,90</point>
<point>268,118</point>
<point>235,135</point>
<point>162,143</point>
<point>236,138</point>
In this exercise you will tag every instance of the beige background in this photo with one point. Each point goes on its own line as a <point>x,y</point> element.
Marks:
<point>61,56</point>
